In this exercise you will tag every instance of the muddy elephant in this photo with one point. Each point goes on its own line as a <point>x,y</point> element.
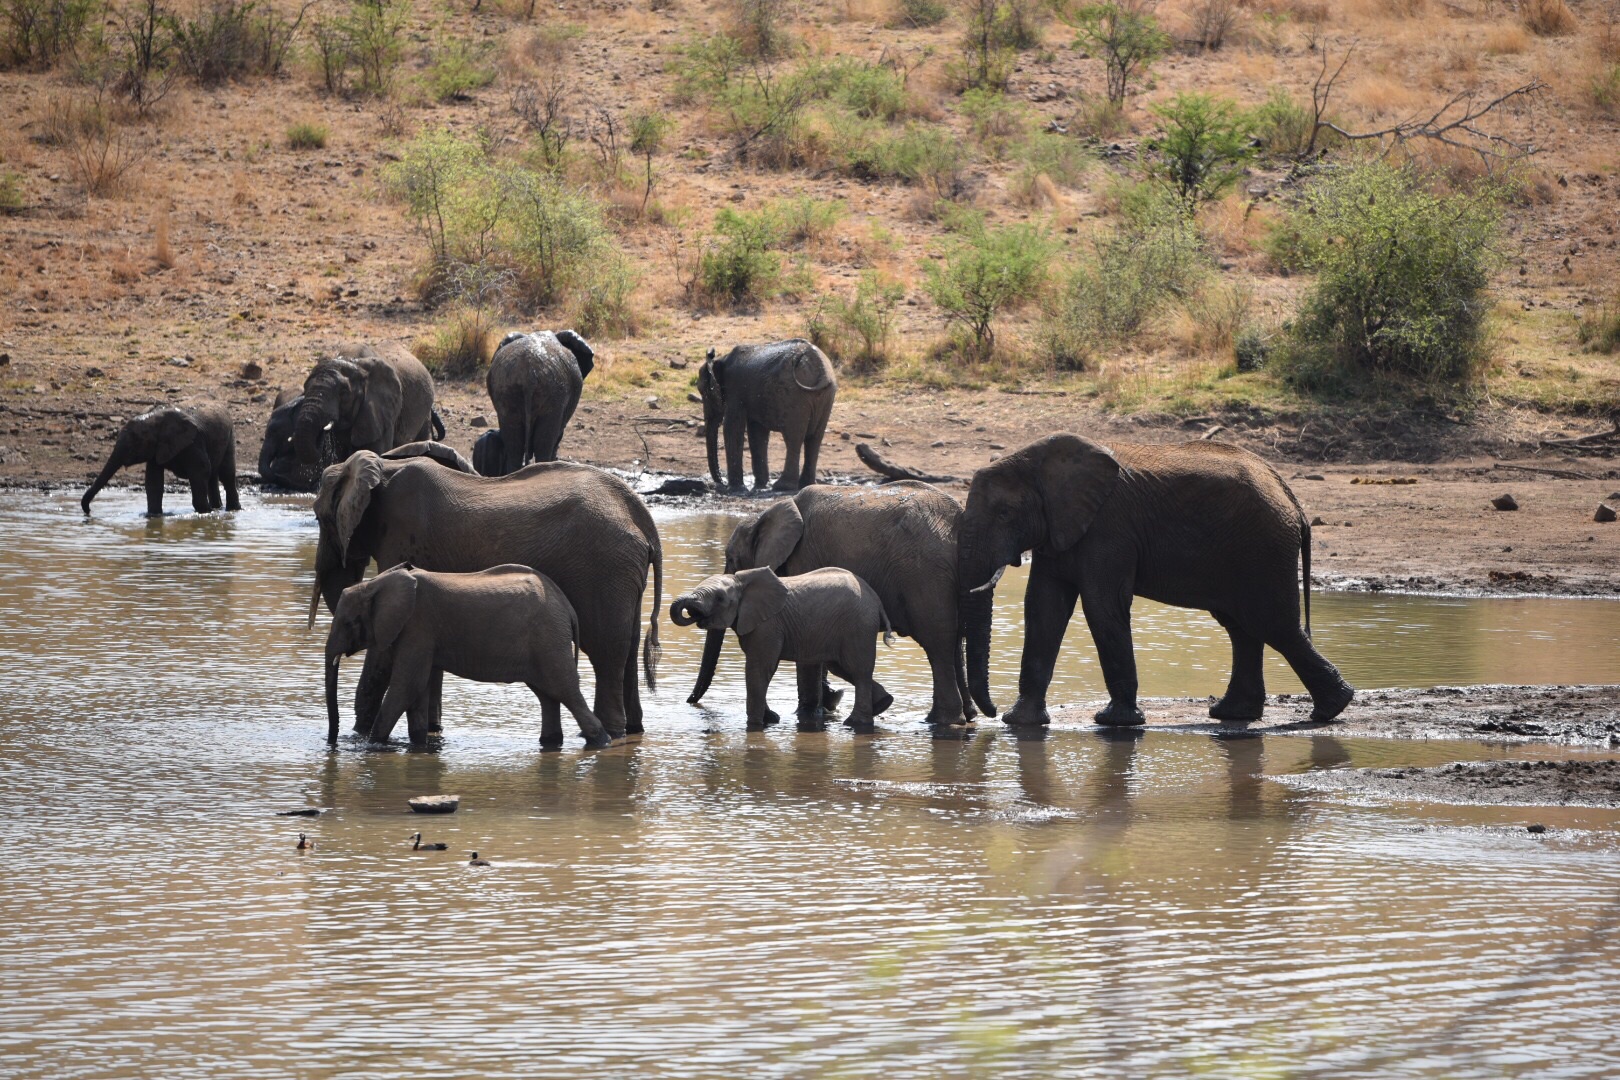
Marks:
<point>1196,525</point>
<point>753,390</point>
<point>899,537</point>
<point>826,620</point>
<point>506,624</point>
<point>195,441</point>
<point>534,383</point>
<point>489,454</point>
<point>369,398</point>
<point>582,527</point>
<point>278,459</point>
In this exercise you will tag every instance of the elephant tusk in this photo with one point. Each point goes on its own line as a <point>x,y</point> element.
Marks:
<point>991,584</point>
<point>329,425</point>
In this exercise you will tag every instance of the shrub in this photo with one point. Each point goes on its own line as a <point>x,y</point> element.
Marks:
<point>926,156</point>
<point>230,38</point>
<point>995,119</point>
<point>741,266</point>
<point>1599,330</point>
<point>1212,20</point>
<point>39,33</point>
<point>1401,278</point>
<point>647,131</point>
<point>605,300</point>
<point>1100,119</point>
<point>1282,124</point>
<point>1605,89</point>
<point>985,272</point>
<point>458,67</point>
<point>988,57</point>
<point>757,25</point>
<point>461,344</point>
<point>1547,18</point>
<point>1203,149</point>
<point>919,13</point>
<point>803,220</point>
<point>1128,38</point>
<point>306,137</point>
<point>359,52</point>
<point>856,330</point>
<point>11,192</point>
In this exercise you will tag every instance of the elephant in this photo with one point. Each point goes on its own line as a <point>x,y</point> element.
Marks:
<point>580,526</point>
<point>758,389</point>
<point>368,398</point>
<point>195,441</point>
<point>826,620</point>
<point>505,624</point>
<point>278,459</point>
<point>901,538</point>
<point>489,454</point>
<point>534,383</point>
<point>1196,524</point>
<point>444,454</point>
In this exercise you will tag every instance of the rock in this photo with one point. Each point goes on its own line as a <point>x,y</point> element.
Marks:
<point>694,399</point>
<point>310,811</point>
<point>436,804</point>
<point>651,401</point>
<point>179,361</point>
<point>1536,829</point>
<point>681,485</point>
<point>479,421</point>
<point>1614,496</point>
<point>997,446</point>
<point>252,371</point>
<point>937,443</point>
<point>679,364</point>
<point>1310,476</point>
<point>1505,502</point>
<point>1605,512</point>
<point>1316,521</point>
<point>5,359</point>
<point>94,373</point>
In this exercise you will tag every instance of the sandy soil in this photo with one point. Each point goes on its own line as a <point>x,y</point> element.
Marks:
<point>1500,783</point>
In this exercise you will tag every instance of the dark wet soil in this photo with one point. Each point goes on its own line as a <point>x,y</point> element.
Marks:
<point>1501,783</point>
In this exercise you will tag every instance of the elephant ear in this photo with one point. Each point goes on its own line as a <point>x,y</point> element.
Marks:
<point>763,597</point>
<point>393,598</point>
<point>1075,477</point>
<point>176,431</point>
<point>345,494</point>
<point>776,533</point>
<point>583,353</point>
<point>380,400</point>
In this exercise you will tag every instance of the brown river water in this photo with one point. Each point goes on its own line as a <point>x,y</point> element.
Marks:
<point>714,903</point>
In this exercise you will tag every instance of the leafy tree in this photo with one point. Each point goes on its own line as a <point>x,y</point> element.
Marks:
<point>985,272</point>
<point>647,131</point>
<point>1206,142</point>
<point>1126,35</point>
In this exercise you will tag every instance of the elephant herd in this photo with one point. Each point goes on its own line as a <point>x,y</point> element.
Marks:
<point>500,570</point>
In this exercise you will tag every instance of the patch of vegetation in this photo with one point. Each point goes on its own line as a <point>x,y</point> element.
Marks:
<point>305,136</point>
<point>858,330</point>
<point>1599,330</point>
<point>919,13</point>
<point>1605,89</point>
<point>986,272</point>
<point>227,39</point>
<point>923,155</point>
<point>742,265</point>
<point>1401,277</point>
<point>1282,124</point>
<point>11,192</point>
<point>359,52</point>
<point>1202,151</point>
<point>41,33</point>
<point>1127,37</point>
<point>459,67</point>
<point>461,343</point>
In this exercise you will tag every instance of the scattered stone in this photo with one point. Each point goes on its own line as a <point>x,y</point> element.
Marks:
<point>651,401</point>
<point>1536,829</point>
<point>1317,521</point>
<point>179,361</point>
<point>436,804</point>
<point>681,485</point>
<point>94,373</point>
<point>1613,495</point>
<point>479,421</point>
<point>694,398</point>
<point>1605,513</point>
<point>997,446</point>
<point>1505,502</point>
<point>252,370</point>
<point>937,443</point>
<point>679,364</point>
<point>1310,476</point>
<point>1382,479</point>
<point>5,359</point>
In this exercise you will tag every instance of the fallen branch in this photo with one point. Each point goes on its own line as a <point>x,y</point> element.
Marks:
<point>1584,440</point>
<point>874,461</point>
<point>1565,474</point>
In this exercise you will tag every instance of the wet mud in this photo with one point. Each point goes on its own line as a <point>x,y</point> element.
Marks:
<point>1491,783</point>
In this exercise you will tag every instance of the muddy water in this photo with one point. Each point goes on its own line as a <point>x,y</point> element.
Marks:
<point>713,903</point>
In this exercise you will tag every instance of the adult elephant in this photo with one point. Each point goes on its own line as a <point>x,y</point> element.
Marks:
<point>534,383</point>
<point>580,526</point>
<point>1196,525</point>
<point>901,538</point>
<point>195,441</point>
<point>369,398</point>
<point>278,459</point>
<point>753,390</point>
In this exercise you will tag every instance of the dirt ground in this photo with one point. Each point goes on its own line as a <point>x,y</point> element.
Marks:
<point>1499,783</point>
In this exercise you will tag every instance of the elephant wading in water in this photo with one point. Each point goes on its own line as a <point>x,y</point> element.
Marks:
<point>581,527</point>
<point>368,398</point>
<point>196,442</point>
<point>1195,525</point>
<point>753,390</point>
<point>505,624</point>
<point>534,383</point>
<point>900,538</point>
<point>278,458</point>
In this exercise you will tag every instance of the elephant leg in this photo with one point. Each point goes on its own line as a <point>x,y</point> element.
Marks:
<point>435,720</point>
<point>369,690</point>
<point>393,706</point>
<point>830,695</point>
<point>789,480</point>
<point>812,678</point>
<point>551,736</point>
<point>596,735</point>
<point>154,489</point>
<point>735,428</point>
<point>759,453</point>
<point>812,455</point>
<point>547,436</point>
<point>1108,616</point>
<point>761,669</point>
<point>880,699</point>
<point>1329,692</point>
<point>1245,697</point>
<point>416,720</point>
<point>227,476</point>
<point>950,677</point>
<point>632,688</point>
<point>1048,606</point>
<point>858,673</point>
<point>609,703</point>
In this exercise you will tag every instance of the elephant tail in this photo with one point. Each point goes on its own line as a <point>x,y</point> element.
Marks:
<point>651,650</point>
<point>528,422</point>
<point>437,423</point>
<point>888,631</point>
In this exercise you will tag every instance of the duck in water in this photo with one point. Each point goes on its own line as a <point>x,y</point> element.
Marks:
<point>417,845</point>
<point>304,843</point>
<point>476,861</point>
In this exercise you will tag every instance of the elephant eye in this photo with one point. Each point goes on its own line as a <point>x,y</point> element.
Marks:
<point>1004,514</point>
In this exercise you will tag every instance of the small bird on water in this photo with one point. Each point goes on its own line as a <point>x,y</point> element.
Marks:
<point>476,861</point>
<point>417,845</point>
<point>304,843</point>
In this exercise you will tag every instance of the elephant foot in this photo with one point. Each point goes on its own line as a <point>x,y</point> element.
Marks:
<point>1027,714</point>
<point>861,725</point>
<point>783,484</point>
<point>830,696</point>
<point>633,727</point>
<point>1232,707</point>
<point>1333,704</point>
<point>881,700</point>
<point>597,742</point>
<point>1120,715</point>
<point>812,722</point>
<point>939,717</point>
<point>771,717</point>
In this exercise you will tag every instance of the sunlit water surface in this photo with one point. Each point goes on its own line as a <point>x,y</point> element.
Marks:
<point>713,903</point>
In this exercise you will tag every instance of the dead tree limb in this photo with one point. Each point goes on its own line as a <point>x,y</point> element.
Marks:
<point>1564,474</point>
<point>874,461</point>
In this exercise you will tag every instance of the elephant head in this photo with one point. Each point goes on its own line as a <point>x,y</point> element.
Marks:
<point>1044,496</point>
<point>745,601</point>
<point>711,388</point>
<point>359,397</point>
<point>489,453</point>
<point>369,615</point>
<point>344,548</point>
<point>160,435</point>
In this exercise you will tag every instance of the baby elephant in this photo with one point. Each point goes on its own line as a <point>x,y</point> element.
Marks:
<point>826,620</point>
<point>506,624</point>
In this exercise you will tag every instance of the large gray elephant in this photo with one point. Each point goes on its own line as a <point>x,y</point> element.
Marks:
<point>826,620</point>
<point>534,383</point>
<point>899,537</point>
<point>753,390</point>
<point>195,441</point>
<point>1196,525</point>
<point>505,624</point>
<point>582,527</point>
<point>369,398</point>
<point>278,459</point>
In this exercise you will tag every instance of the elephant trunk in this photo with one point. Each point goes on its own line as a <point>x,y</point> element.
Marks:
<point>975,607</point>
<point>682,612</point>
<point>711,443</point>
<point>711,659</point>
<point>313,419</point>
<point>115,461</point>
<point>333,660</point>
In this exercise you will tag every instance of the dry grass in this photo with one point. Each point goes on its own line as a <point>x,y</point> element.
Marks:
<point>162,250</point>
<point>1547,18</point>
<point>1384,96</point>
<point>1506,39</point>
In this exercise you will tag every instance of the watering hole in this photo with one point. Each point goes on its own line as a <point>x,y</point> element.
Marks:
<point>711,902</point>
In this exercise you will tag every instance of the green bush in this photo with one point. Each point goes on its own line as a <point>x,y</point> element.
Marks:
<point>996,120</point>
<point>1282,124</point>
<point>1204,146</point>
<point>1401,278</point>
<point>39,33</point>
<point>461,344</point>
<point>458,67</point>
<point>988,56</point>
<point>359,52</point>
<point>1605,89</point>
<point>1059,158</point>
<point>857,330</point>
<point>919,13</point>
<point>1110,296</point>
<point>1100,119</point>
<point>306,136</point>
<point>227,39</point>
<point>1127,37</point>
<point>922,155</point>
<point>741,265</point>
<point>986,272</point>
<point>1599,330</point>
<point>11,192</point>
<point>804,219</point>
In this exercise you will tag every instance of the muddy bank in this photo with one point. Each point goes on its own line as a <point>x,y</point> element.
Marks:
<point>1496,783</point>
<point>1563,715</point>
